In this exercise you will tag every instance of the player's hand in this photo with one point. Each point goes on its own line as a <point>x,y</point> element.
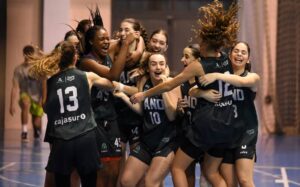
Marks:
<point>207,79</point>
<point>163,77</point>
<point>137,98</point>
<point>181,104</point>
<point>211,95</point>
<point>131,37</point>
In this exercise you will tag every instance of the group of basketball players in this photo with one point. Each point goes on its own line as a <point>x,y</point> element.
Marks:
<point>100,94</point>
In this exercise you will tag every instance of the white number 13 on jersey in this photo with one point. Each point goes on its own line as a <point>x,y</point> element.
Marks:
<point>72,93</point>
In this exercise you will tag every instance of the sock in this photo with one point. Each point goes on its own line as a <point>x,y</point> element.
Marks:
<point>24,127</point>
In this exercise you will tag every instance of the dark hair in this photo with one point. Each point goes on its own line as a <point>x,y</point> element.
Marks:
<point>195,50</point>
<point>68,52</point>
<point>160,31</point>
<point>82,25</point>
<point>70,33</point>
<point>248,65</point>
<point>89,36</point>
<point>28,50</point>
<point>137,26</point>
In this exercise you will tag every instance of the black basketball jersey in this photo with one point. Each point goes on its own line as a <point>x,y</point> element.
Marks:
<point>213,122</point>
<point>68,105</point>
<point>126,116</point>
<point>102,100</point>
<point>192,101</point>
<point>245,110</point>
<point>156,123</point>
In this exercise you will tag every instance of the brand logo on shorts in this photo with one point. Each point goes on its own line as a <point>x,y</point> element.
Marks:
<point>103,147</point>
<point>244,146</point>
<point>137,149</point>
<point>250,131</point>
<point>165,139</point>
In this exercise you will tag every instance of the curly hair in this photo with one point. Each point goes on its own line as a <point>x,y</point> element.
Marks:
<point>217,27</point>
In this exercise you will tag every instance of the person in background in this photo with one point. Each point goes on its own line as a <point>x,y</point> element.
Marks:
<point>29,91</point>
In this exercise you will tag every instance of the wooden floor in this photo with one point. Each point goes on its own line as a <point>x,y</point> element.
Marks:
<point>22,164</point>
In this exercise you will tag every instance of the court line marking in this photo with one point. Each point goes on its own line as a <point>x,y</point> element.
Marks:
<point>276,167</point>
<point>25,153</point>
<point>284,179</point>
<point>7,166</point>
<point>11,180</point>
<point>17,182</point>
<point>275,176</point>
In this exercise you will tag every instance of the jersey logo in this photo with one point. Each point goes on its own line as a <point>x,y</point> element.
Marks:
<point>250,131</point>
<point>244,146</point>
<point>60,80</point>
<point>70,78</point>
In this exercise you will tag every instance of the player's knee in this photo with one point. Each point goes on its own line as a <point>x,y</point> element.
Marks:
<point>245,181</point>
<point>151,181</point>
<point>126,180</point>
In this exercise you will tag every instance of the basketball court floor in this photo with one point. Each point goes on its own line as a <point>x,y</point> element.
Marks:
<point>22,164</point>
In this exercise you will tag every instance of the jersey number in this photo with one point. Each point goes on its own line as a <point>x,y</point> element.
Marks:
<point>71,92</point>
<point>155,118</point>
<point>224,92</point>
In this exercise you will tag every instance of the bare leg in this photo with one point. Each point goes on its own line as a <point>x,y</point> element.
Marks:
<point>244,169</point>
<point>133,172</point>
<point>180,164</point>
<point>227,171</point>
<point>211,169</point>
<point>158,170</point>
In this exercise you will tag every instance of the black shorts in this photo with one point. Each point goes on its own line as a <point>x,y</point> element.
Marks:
<point>80,153</point>
<point>242,152</point>
<point>130,132</point>
<point>108,139</point>
<point>195,152</point>
<point>144,154</point>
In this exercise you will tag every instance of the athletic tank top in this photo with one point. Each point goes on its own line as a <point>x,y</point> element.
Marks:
<point>102,100</point>
<point>68,105</point>
<point>245,109</point>
<point>213,122</point>
<point>157,129</point>
<point>192,101</point>
<point>126,116</point>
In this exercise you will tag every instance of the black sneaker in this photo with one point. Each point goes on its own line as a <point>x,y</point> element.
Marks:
<point>24,137</point>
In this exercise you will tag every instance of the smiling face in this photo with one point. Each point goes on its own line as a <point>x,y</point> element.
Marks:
<point>100,42</point>
<point>187,56</point>
<point>158,43</point>
<point>125,29</point>
<point>156,66</point>
<point>239,55</point>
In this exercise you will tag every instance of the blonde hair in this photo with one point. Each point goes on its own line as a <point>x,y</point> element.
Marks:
<point>218,27</point>
<point>46,65</point>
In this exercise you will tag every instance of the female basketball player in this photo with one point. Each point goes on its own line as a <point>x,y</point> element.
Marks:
<point>96,55</point>
<point>184,175</point>
<point>153,155</point>
<point>240,159</point>
<point>212,130</point>
<point>71,121</point>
